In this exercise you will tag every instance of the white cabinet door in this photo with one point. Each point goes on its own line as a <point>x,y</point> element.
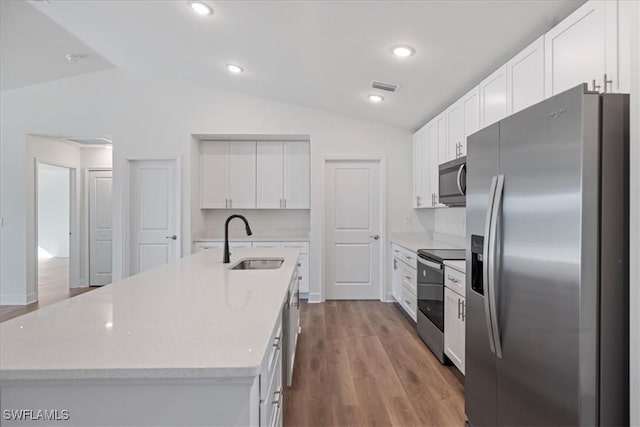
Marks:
<point>214,174</point>
<point>419,169</point>
<point>396,279</point>
<point>432,164</point>
<point>455,130</point>
<point>441,120</point>
<point>525,77</point>
<point>303,272</point>
<point>269,170</point>
<point>493,97</point>
<point>454,328</point>
<point>242,174</point>
<point>471,107</point>
<point>583,48</point>
<point>296,174</point>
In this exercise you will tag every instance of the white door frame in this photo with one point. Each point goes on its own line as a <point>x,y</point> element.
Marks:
<point>85,225</point>
<point>381,160</point>
<point>126,205</point>
<point>74,255</point>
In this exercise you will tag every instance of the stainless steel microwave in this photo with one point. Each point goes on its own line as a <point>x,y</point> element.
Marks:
<point>453,182</point>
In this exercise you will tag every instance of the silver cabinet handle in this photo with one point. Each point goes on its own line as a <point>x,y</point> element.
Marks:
<point>407,301</point>
<point>458,308</point>
<point>230,203</point>
<point>299,277</point>
<point>299,265</point>
<point>464,310</point>
<point>407,277</point>
<point>453,279</point>
<point>174,237</point>
<point>375,237</point>
<point>276,343</point>
<point>226,203</point>
<point>408,257</point>
<point>596,87</point>
<point>278,396</point>
<point>607,82</point>
<point>281,204</point>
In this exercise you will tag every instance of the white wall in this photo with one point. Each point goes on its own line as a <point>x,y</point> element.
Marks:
<point>53,210</point>
<point>146,116</point>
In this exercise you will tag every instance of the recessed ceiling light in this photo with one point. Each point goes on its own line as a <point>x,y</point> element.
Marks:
<point>200,8</point>
<point>235,69</point>
<point>375,98</point>
<point>74,57</point>
<point>403,51</point>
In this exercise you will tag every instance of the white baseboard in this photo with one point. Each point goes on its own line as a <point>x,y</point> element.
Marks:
<point>19,299</point>
<point>389,298</point>
<point>314,298</point>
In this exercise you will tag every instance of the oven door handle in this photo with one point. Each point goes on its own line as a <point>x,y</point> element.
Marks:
<point>430,263</point>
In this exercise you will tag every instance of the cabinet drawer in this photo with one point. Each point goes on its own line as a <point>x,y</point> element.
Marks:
<point>409,257</point>
<point>410,303</point>
<point>303,246</point>
<point>409,280</point>
<point>269,364</point>
<point>267,245</point>
<point>454,280</point>
<point>271,403</point>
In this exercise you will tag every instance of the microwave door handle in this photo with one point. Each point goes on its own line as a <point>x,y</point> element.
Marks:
<point>458,181</point>
<point>485,264</point>
<point>497,207</point>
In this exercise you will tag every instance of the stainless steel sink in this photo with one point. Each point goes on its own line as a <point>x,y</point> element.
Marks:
<point>258,264</point>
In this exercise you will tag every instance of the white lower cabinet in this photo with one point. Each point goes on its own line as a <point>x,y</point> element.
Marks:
<point>454,324</point>
<point>403,280</point>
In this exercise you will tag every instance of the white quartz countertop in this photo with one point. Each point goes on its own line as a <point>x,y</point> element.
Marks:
<point>456,265</point>
<point>414,241</point>
<point>192,318</point>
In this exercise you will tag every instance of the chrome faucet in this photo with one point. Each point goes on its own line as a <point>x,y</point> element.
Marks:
<point>226,235</point>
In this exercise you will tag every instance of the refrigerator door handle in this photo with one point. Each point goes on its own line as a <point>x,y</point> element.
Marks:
<point>485,264</point>
<point>496,208</point>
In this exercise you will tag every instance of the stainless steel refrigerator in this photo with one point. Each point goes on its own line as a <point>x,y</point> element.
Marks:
<point>547,248</point>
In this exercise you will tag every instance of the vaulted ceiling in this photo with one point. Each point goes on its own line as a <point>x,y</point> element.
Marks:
<point>320,54</point>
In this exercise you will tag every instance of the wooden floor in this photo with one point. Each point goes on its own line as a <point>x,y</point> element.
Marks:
<point>360,363</point>
<point>53,286</point>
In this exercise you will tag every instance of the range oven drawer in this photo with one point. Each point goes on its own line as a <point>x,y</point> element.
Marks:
<point>430,293</point>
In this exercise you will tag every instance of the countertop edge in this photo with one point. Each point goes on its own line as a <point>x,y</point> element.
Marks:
<point>130,374</point>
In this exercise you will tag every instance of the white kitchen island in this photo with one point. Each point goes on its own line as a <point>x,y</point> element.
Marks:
<point>190,343</point>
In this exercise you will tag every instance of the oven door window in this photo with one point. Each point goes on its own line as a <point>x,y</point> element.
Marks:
<point>431,292</point>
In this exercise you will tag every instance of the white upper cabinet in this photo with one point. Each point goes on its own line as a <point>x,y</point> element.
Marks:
<point>436,133</point>
<point>270,172</point>
<point>493,97</point>
<point>418,168</point>
<point>455,130</point>
<point>214,174</point>
<point>227,174</point>
<point>283,175</point>
<point>525,77</point>
<point>583,48</point>
<point>296,175</point>
<point>242,174</point>
<point>471,106</point>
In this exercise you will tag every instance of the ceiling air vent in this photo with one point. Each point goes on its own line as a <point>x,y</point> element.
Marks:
<point>385,86</point>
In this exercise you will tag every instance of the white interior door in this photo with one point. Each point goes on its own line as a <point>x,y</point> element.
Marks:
<point>296,174</point>
<point>352,259</point>
<point>154,202</point>
<point>100,229</point>
<point>269,175</point>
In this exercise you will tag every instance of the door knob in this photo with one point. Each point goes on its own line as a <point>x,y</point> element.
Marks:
<point>374,237</point>
<point>174,237</point>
